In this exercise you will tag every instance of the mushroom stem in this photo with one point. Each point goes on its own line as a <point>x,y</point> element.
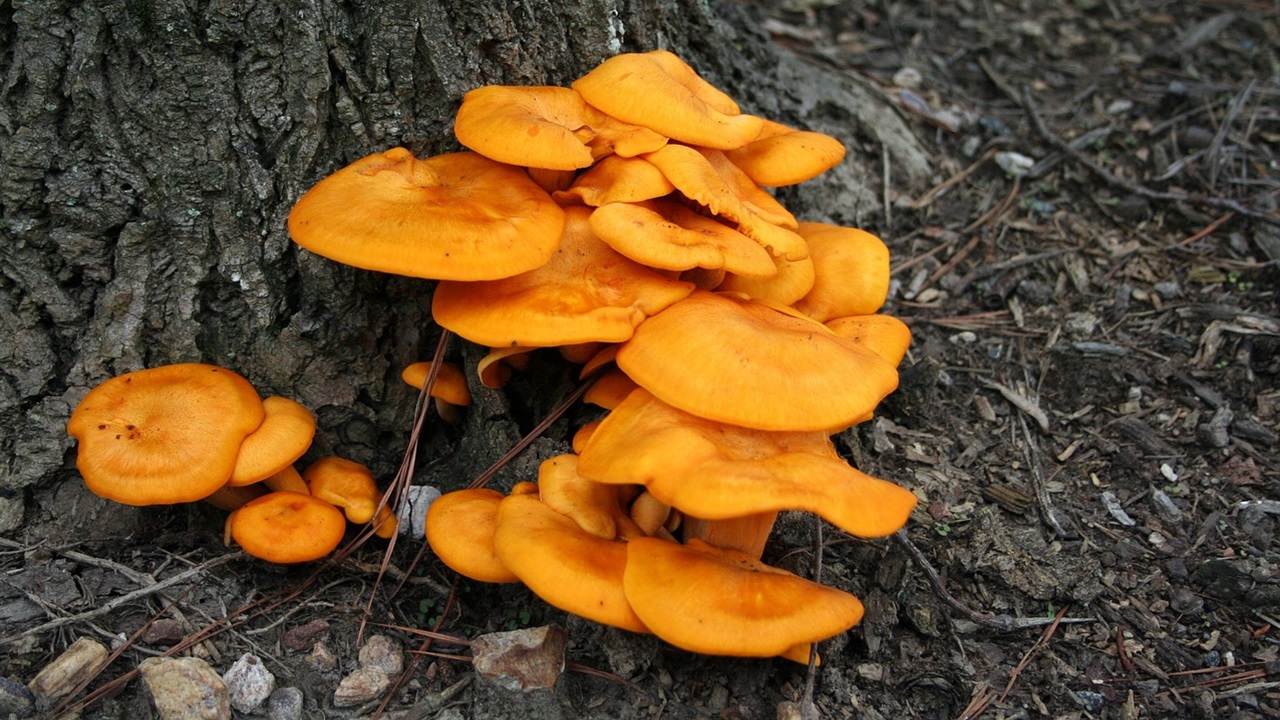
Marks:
<point>746,534</point>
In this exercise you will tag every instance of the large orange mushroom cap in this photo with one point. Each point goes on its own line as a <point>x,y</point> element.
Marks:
<point>658,90</point>
<point>284,435</point>
<point>562,563</point>
<point>544,127</point>
<point>164,435</point>
<point>287,527</point>
<point>458,216</point>
<point>460,529</point>
<point>586,292</point>
<point>616,179</point>
<point>714,471</point>
<point>850,272</point>
<point>721,602</point>
<point>746,363</point>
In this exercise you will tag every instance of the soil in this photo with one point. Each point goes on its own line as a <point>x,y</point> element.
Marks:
<point>1088,415</point>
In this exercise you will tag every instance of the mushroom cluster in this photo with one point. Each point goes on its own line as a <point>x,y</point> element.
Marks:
<point>626,221</point>
<point>191,431</point>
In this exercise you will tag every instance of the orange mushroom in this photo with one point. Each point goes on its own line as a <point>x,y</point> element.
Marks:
<point>598,508</point>
<point>658,90</point>
<point>721,602</point>
<point>164,435</point>
<point>287,527</point>
<point>616,179</point>
<point>284,435</point>
<point>781,155</point>
<point>346,484</point>
<point>460,529</point>
<point>545,127</point>
<point>585,292</point>
<point>450,390</point>
<point>711,355</point>
<point>884,335</point>
<point>459,216</point>
<point>850,272</point>
<point>714,471</point>
<point>562,563</point>
<point>666,235</point>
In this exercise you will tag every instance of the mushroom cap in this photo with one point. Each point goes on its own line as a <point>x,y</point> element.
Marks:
<point>791,280</point>
<point>721,602</point>
<point>458,216</point>
<point>709,179</point>
<point>284,436</point>
<point>450,385</point>
<point>714,471</point>
<point>460,529</point>
<point>544,127</point>
<point>884,335</point>
<point>658,90</point>
<point>785,156</point>
<point>586,292</point>
<point>611,388</point>
<point>495,368</point>
<point>616,179</point>
<point>667,235</point>
<point>598,508</point>
<point>287,527</point>
<point>745,363</point>
<point>164,435</point>
<point>346,484</point>
<point>850,272</point>
<point>562,563</point>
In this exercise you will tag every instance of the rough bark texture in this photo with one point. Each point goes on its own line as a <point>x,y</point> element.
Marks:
<point>150,152</point>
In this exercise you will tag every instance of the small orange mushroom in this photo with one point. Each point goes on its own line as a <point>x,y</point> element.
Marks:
<point>450,390</point>
<point>666,235</point>
<point>850,272</point>
<point>346,484</point>
<point>287,527</point>
<point>284,435</point>
<point>781,155</point>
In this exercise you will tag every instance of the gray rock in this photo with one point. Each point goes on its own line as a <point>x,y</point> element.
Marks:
<point>249,683</point>
<point>285,704</point>
<point>15,699</point>
<point>185,689</point>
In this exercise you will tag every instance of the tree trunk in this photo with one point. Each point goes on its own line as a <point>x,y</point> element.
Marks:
<point>150,153</point>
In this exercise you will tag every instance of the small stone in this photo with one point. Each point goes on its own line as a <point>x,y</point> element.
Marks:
<point>908,77</point>
<point>1091,701</point>
<point>1184,601</point>
<point>362,685</point>
<point>285,704</point>
<point>80,661</point>
<point>15,699</point>
<point>322,658</point>
<point>249,683</point>
<point>164,632</point>
<point>1214,433</point>
<point>871,672</point>
<point>304,637</point>
<point>527,659</point>
<point>383,652</point>
<point>413,513</point>
<point>185,689</point>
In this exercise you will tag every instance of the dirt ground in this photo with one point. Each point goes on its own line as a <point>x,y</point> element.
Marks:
<point>1088,415</point>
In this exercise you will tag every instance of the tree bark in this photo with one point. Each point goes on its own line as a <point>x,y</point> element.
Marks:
<point>150,153</point>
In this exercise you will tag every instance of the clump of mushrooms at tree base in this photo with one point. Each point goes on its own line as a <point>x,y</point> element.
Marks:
<point>190,431</point>
<point>625,221</point>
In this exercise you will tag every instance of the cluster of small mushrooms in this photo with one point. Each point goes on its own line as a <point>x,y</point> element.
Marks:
<point>624,221</point>
<point>191,431</point>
